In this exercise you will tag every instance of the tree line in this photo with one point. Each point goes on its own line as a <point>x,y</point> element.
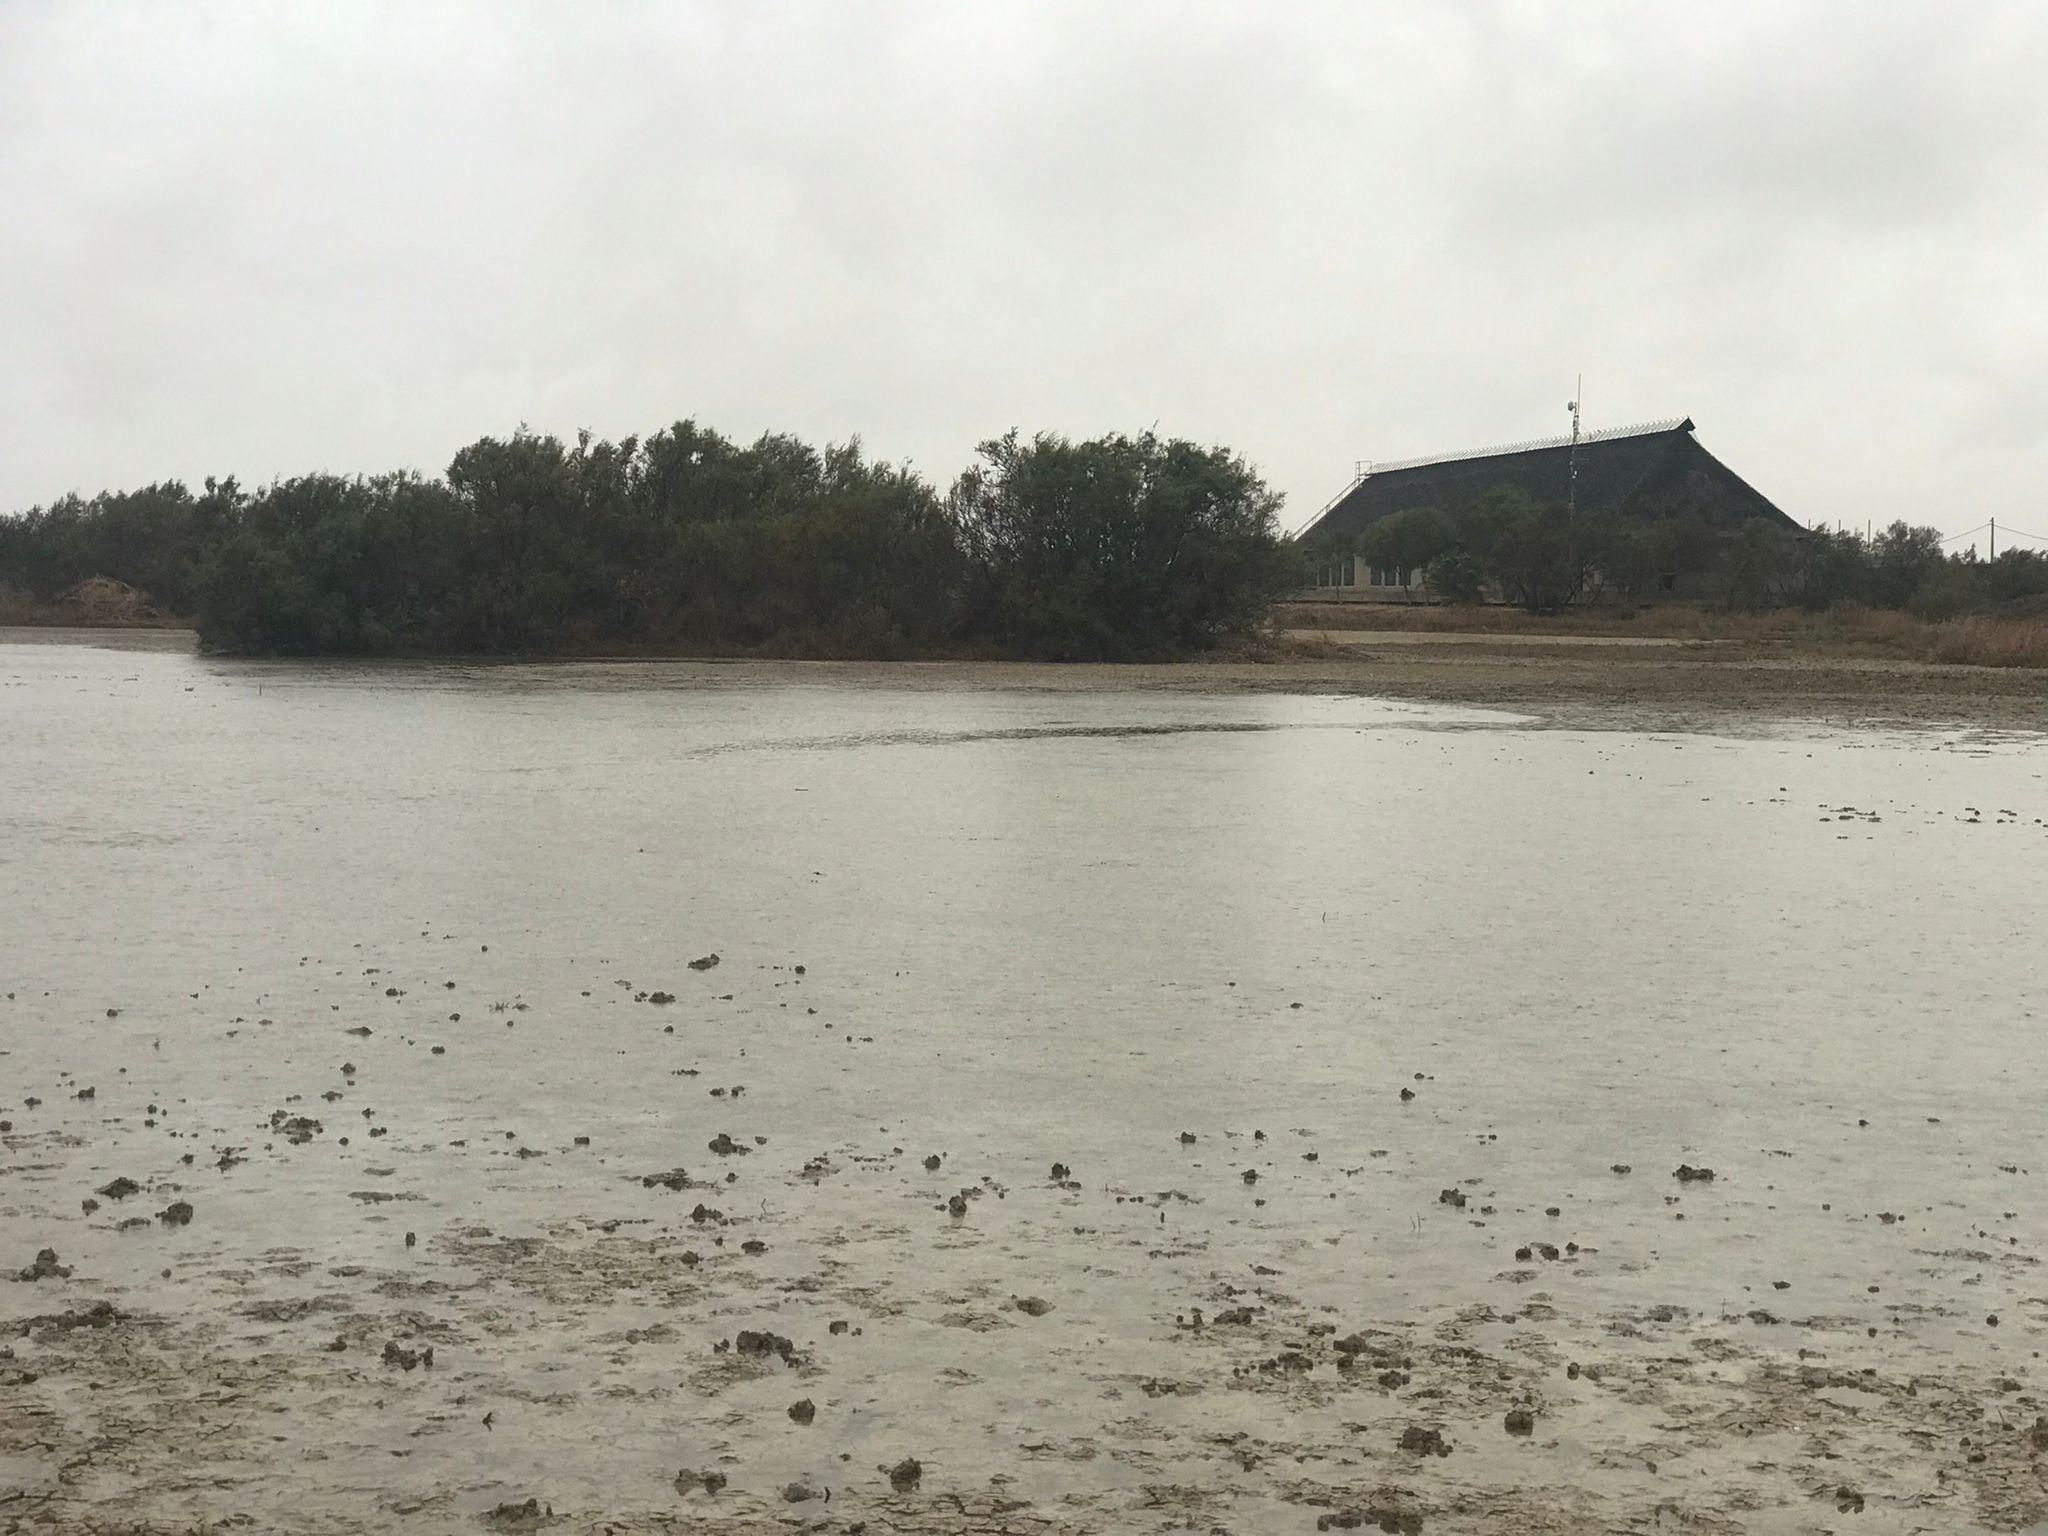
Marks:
<point>1536,555</point>
<point>1107,549</point>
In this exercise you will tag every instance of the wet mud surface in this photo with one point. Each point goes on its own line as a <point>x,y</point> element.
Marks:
<point>500,1111</point>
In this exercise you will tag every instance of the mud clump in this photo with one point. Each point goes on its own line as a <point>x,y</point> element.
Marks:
<point>1380,1516</point>
<point>675,1179</point>
<point>906,1474</point>
<point>296,1129</point>
<point>763,1344</point>
<point>1687,1174</point>
<point>1519,1421</point>
<point>725,1146</point>
<point>957,1206</point>
<point>661,999</point>
<point>1033,1306</point>
<point>704,962</point>
<point>1455,1198</point>
<point>408,1359</point>
<point>803,1410</point>
<point>45,1267</point>
<point>1061,1173</point>
<point>529,1515</point>
<point>119,1189</point>
<point>177,1214</point>
<point>1419,1440</point>
<point>710,1482</point>
<point>100,1314</point>
<point>931,1164</point>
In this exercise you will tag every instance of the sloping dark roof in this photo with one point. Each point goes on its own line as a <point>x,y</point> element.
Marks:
<point>1657,471</point>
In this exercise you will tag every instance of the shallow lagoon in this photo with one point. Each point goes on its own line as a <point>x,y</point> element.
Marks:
<point>1034,927</point>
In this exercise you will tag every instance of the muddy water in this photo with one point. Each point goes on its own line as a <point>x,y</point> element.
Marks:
<point>431,909</point>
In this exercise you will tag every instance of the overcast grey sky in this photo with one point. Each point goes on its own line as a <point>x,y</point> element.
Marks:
<point>260,239</point>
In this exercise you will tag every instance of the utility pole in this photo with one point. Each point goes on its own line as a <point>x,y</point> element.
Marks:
<point>1571,484</point>
<point>1994,538</point>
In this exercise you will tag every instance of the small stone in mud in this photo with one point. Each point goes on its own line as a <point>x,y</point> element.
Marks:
<point>1033,1306</point>
<point>1623,1168</point>
<point>725,1146</point>
<point>1424,1442</point>
<point>1061,1173</point>
<point>753,1245</point>
<point>411,1239</point>
<point>704,963</point>
<point>710,1482</point>
<point>1187,1138</point>
<point>1524,1255</point>
<point>1251,1175</point>
<point>932,1163</point>
<point>906,1474</point>
<point>1407,1094</point>
<point>838,1325</point>
<point>798,1493</point>
<point>1572,1370</point>
<point>661,999</point>
<point>177,1214</point>
<point>803,1410</point>
<point>1520,1421</point>
<point>1452,1197</point>
<point>119,1189</point>
<point>88,1205</point>
<point>957,1206</point>
<point>1687,1174</point>
<point>46,1267</point>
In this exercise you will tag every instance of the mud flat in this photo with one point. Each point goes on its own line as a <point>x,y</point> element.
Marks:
<point>487,1100</point>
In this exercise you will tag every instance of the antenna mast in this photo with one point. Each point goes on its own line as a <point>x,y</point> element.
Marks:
<point>1571,486</point>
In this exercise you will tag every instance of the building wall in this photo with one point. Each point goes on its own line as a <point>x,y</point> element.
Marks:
<point>1350,579</point>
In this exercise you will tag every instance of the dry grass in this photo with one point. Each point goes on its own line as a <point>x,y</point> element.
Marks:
<point>1980,641</point>
<point>1992,642</point>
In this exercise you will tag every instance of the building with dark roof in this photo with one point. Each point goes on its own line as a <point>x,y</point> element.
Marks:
<point>1654,471</point>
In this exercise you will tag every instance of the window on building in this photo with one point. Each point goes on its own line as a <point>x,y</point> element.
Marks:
<point>1388,576</point>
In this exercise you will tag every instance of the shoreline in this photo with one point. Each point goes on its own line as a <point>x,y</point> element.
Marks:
<point>1594,682</point>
